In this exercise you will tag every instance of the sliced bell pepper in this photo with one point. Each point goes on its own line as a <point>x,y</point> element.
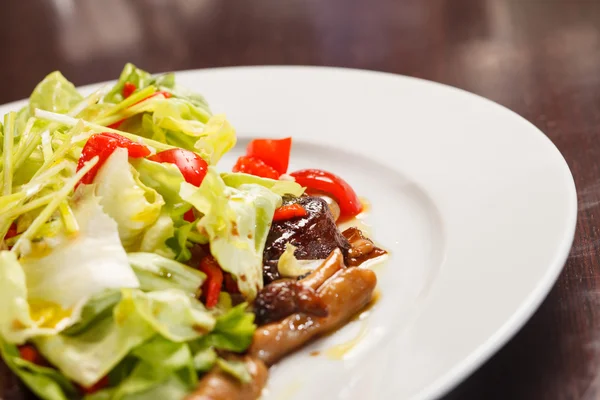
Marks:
<point>214,280</point>
<point>255,166</point>
<point>30,353</point>
<point>101,384</point>
<point>192,166</point>
<point>289,211</point>
<point>273,152</point>
<point>103,145</point>
<point>128,89</point>
<point>336,187</point>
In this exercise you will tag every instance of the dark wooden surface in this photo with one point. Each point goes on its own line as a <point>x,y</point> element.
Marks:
<point>541,58</point>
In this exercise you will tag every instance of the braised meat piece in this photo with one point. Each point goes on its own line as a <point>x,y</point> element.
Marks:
<point>279,299</point>
<point>315,236</point>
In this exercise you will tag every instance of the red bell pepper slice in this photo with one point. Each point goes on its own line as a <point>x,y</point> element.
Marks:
<point>12,231</point>
<point>189,215</point>
<point>192,166</point>
<point>214,280</point>
<point>31,354</point>
<point>273,152</point>
<point>128,89</point>
<point>289,211</point>
<point>255,166</point>
<point>101,384</point>
<point>339,189</point>
<point>103,145</point>
<point>230,283</point>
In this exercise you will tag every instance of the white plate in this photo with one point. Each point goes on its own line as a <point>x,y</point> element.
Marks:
<point>475,204</point>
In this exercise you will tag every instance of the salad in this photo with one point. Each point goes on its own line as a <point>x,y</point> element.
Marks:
<point>132,268</point>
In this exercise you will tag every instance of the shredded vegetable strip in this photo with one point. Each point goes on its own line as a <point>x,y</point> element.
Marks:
<point>68,217</point>
<point>46,145</point>
<point>59,197</point>
<point>24,139</point>
<point>88,101</point>
<point>142,106</point>
<point>32,205</point>
<point>6,201</point>
<point>131,100</point>
<point>27,144</point>
<point>70,121</point>
<point>9,130</point>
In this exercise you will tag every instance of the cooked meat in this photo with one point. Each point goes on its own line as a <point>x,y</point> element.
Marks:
<point>345,293</point>
<point>279,299</point>
<point>218,385</point>
<point>361,247</point>
<point>315,236</point>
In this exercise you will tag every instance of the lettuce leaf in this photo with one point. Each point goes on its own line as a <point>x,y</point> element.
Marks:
<point>98,307</point>
<point>44,293</point>
<point>131,74</point>
<point>156,273</point>
<point>85,358</point>
<point>154,239</point>
<point>237,222</point>
<point>281,187</point>
<point>166,179</point>
<point>173,313</point>
<point>233,330</point>
<point>55,93</point>
<point>46,383</point>
<point>134,206</point>
<point>217,138</point>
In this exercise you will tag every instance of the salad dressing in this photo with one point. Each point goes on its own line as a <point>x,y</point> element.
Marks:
<point>339,351</point>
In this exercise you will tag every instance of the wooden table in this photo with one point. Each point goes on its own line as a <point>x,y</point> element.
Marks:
<point>541,58</point>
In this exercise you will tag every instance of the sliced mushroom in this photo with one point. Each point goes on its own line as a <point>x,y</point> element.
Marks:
<point>345,294</point>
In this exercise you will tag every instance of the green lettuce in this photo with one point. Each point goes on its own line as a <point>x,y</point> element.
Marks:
<point>281,187</point>
<point>156,273</point>
<point>134,206</point>
<point>54,93</point>
<point>46,383</point>
<point>233,330</point>
<point>166,179</point>
<point>217,138</point>
<point>237,222</point>
<point>87,357</point>
<point>44,292</point>
<point>140,78</point>
<point>173,313</point>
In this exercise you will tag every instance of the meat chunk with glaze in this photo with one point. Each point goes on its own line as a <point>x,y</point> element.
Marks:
<point>315,236</point>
